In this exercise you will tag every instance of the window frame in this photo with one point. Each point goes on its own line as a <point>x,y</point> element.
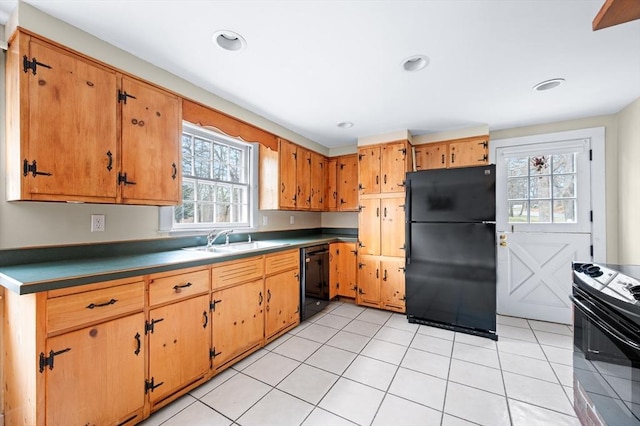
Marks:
<point>167,221</point>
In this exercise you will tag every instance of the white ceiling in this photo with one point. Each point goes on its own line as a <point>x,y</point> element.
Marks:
<point>309,65</point>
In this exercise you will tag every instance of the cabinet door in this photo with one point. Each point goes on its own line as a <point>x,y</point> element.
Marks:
<point>393,167</point>
<point>392,227</point>
<point>318,164</point>
<point>288,166</point>
<point>369,170</point>
<point>97,376</point>
<point>343,269</point>
<point>472,152</point>
<point>392,286</point>
<point>283,301</point>
<point>431,156</point>
<point>368,281</point>
<point>237,320</point>
<point>331,187</point>
<point>151,127</point>
<point>178,345</point>
<point>303,179</point>
<point>72,116</point>
<point>334,271</point>
<point>348,183</point>
<point>369,226</point>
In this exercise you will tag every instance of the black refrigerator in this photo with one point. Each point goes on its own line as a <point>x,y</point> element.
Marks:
<point>451,249</point>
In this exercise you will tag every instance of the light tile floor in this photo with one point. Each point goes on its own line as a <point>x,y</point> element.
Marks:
<point>350,365</point>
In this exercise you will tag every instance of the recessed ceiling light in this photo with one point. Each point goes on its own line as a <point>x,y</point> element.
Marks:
<point>229,40</point>
<point>548,84</point>
<point>345,125</point>
<point>415,63</point>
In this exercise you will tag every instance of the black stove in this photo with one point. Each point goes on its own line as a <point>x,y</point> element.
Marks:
<point>606,357</point>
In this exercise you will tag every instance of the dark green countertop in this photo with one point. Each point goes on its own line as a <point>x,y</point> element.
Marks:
<point>36,277</point>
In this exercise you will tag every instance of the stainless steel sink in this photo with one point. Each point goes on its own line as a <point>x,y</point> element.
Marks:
<point>223,249</point>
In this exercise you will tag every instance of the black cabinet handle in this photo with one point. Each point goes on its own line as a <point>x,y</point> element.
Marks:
<point>175,171</point>
<point>110,165</point>
<point>260,299</point>
<point>384,276</point>
<point>268,295</point>
<point>206,319</point>
<point>139,344</point>
<point>177,287</point>
<point>100,305</point>
<point>442,158</point>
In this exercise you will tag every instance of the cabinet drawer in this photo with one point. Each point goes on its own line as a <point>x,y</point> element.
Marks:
<point>283,261</point>
<point>235,272</point>
<point>76,309</point>
<point>176,287</point>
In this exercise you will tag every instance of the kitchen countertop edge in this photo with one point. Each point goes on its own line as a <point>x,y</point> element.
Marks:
<point>38,277</point>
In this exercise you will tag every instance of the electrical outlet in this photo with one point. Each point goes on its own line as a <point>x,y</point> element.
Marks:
<point>292,219</point>
<point>97,223</point>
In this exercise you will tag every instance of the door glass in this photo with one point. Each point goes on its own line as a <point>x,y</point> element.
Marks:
<point>542,188</point>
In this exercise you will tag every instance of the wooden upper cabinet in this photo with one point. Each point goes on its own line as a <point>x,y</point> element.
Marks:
<point>69,138</point>
<point>393,167</point>
<point>331,185</point>
<point>303,179</point>
<point>431,156</point>
<point>348,183</point>
<point>382,168</point>
<point>318,178</point>
<point>288,168</point>
<point>465,152</point>
<point>369,170</point>
<point>151,129</point>
<point>469,152</point>
<point>61,125</point>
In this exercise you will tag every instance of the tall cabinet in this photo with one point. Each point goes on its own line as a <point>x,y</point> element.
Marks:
<point>381,243</point>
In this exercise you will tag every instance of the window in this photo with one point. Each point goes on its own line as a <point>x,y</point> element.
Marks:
<point>217,181</point>
<point>542,188</point>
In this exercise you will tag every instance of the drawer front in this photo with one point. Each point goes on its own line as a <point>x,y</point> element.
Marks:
<point>176,287</point>
<point>82,308</point>
<point>283,261</point>
<point>230,273</point>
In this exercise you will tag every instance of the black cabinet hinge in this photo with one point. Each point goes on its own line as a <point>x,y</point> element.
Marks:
<point>123,95</point>
<point>149,327</point>
<point>150,385</point>
<point>32,168</point>
<point>213,353</point>
<point>32,64</point>
<point>122,178</point>
<point>212,305</point>
<point>47,361</point>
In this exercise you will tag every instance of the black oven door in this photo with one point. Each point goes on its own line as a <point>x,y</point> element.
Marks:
<point>606,362</point>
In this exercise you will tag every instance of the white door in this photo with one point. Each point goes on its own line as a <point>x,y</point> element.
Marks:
<point>543,222</point>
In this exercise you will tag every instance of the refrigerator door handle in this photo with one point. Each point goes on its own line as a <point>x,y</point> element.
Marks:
<point>407,232</point>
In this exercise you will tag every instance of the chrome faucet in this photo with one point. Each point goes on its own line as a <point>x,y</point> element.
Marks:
<point>213,236</point>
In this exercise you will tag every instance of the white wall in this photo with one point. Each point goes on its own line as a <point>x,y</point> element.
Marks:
<point>629,184</point>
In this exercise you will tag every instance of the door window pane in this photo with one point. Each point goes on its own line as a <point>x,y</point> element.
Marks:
<point>542,188</point>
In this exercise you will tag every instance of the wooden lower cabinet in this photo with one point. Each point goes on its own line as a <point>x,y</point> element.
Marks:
<point>342,270</point>
<point>97,375</point>
<point>178,346</point>
<point>392,284</point>
<point>283,302</point>
<point>381,282</point>
<point>237,321</point>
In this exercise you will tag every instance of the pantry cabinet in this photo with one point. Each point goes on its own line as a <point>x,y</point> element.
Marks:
<point>465,152</point>
<point>79,130</point>
<point>381,226</point>
<point>342,270</point>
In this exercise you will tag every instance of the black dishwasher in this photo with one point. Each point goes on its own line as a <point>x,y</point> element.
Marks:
<point>314,292</point>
